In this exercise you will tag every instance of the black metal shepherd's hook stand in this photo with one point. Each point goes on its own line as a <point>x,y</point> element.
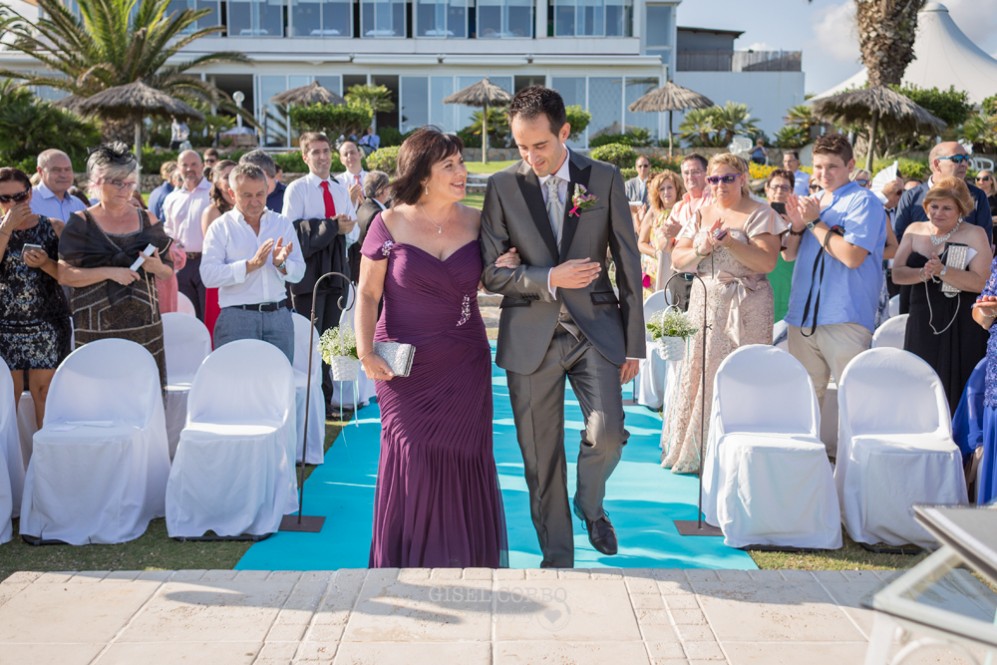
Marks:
<point>299,522</point>
<point>698,527</point>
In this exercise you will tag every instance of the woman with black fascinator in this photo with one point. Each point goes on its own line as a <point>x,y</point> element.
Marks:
<point>113,293</point>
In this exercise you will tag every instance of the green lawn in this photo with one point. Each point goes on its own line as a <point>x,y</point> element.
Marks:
<point>490,167</point>
<point>475,199</point>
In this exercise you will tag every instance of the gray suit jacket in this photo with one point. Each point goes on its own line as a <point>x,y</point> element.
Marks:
<point>514,215</point>
<point>636,190</point>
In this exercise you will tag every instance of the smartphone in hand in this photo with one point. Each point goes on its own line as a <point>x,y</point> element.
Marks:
<point>779,207</point>
<point>28,246</point>
<point>720,234</point>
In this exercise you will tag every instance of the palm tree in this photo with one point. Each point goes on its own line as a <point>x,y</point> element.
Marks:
<point>113,43</point>
<point>887,29</point>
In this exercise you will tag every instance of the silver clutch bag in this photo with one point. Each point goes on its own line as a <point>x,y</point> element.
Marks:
<point>398,356</point>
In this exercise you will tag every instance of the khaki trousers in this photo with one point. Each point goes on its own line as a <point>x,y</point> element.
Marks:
<point>828,351</point>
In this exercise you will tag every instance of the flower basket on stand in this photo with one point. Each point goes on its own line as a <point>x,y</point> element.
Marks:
<point>671,329</point>
<point>338,347</point>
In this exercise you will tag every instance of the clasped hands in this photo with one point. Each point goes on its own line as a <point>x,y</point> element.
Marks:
<point>932,269</point>
<point>344,222</point>
<point>276,252</point>
<point>801,210</point>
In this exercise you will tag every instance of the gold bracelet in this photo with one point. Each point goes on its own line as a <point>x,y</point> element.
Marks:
<point>360,359</point>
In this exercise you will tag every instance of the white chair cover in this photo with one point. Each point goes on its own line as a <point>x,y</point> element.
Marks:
<point>893,309</point>
<point>185,306</point>
<point>895,447</point>
<point>780,335</point>
<point>11,469</point>
<point>766,476</point>
<point>314,410</point>
<point>234,469</point>
<point>100,461</point>
<point>891,332</point>
<point>653,370</point>
<point>26,425</point>
<point>342,391</point>
<point>187,343</point>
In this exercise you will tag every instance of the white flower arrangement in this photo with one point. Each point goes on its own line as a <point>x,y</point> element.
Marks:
<point>337,343</point>
<point>671,322</point>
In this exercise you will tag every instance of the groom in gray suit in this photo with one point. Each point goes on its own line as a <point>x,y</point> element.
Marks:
<point>560,316</point>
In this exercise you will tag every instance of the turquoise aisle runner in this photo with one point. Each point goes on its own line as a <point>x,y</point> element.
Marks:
<point>642,500</point>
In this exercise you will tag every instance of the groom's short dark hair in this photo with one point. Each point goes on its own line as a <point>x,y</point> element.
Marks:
<point>537,100</point>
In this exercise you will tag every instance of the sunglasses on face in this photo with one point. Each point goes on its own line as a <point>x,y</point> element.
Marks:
<point>725,179</point>
<point>20,197</point>
<point>814,188</point>
<point>955,159</point>
<point>983,178</point>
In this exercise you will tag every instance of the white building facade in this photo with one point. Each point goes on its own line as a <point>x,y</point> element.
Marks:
<point>601,54</point>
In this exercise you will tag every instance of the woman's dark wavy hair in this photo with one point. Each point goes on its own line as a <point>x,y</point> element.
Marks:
<point>10,174</point>
<point>216,193</point>
<point>427,146</point>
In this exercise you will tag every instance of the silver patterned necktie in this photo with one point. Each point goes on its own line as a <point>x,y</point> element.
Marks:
<point>555,211</point>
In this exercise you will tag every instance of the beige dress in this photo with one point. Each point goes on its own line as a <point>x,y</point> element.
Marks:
<point>738,311</point>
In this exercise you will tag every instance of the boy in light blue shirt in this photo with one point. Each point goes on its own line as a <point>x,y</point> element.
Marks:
<point>837,239</point>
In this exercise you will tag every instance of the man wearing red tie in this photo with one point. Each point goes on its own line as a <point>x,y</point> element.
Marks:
<point>354,175</point>
<point>324,217</point>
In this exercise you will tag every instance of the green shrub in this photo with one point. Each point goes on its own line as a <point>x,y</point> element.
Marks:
<point>621,156</point>
<point>390,136</point>
<point>291,162</point>
<point>909,168</point>
<point>385,159</point>
<point>153,158</point>
<point>579,120</point>
<point>333,120</point>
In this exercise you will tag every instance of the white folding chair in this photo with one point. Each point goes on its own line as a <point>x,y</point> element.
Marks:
<point>234,468</point>
<point>100,461</point>
<point>895,447</point>
<point>11,469</point>
<point>314,410</point>
<point>653,369</point>
<point>891,332</point>
<point>187,343</point>
<point>766,476</point>
<point>894,306</point>
<point>780,335</point>
<point>185,306</point>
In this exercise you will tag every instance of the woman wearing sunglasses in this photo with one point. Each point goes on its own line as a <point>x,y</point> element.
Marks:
<point>733,243</point>
<point>985,181</point>
<point>114,295</point>
<point>34,314</point>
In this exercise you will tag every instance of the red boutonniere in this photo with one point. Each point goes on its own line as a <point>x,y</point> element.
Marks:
<point>582,200</point>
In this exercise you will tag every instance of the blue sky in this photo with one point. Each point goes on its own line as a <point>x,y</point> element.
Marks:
<point>824,30</point>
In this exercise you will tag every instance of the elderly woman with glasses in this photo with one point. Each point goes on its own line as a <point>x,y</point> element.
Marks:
<point>34,315</point>
<point>733,244</point>
<point>111,254</point>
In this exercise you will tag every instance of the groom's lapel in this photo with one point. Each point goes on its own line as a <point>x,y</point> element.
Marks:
<point>579,172</point>
<point>529,185</point>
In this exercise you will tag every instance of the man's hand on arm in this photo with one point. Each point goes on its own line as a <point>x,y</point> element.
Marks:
<point>574,274</point>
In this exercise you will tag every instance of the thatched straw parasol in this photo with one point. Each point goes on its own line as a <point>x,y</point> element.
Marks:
<point>313,93</point>
<point>482,94</point>
<point>880,107</point>
<point>133,101</point>
<point>670,97</point>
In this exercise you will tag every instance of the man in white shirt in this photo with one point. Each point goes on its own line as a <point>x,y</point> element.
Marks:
<point>249,256</point>
<point>801,179</point>
<point>182,211</point>
<point>324,218</point>
<point>354,175</point>
<point>51,197</point>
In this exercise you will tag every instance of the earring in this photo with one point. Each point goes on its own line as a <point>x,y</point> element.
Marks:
<point>426,190</point>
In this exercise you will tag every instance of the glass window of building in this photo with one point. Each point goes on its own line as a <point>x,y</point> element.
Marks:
<point>382,18</point>
<point>659,31</point>
<point>441,18</point>
<point>619,18</point>
<point>210,20</point>
<point>321,18</point>
<point>595,18</point>
<point>635,89</point>
<point>440,114</point>
<point>256,18</point>
<point>606,105</point>
<point>503,19</point>
<point>414,102</point>
<point>333,83</point>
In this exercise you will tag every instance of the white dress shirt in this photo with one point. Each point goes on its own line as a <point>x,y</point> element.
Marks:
<point>348,178</point>
<point>182,210</point>
<point>231,243</point>
<point>303,199</point>
<point>45,202</point>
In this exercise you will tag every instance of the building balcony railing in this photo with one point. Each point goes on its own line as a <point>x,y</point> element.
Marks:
<point>739,61</point>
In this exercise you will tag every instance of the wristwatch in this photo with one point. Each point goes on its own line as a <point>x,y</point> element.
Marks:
<point>283,266</point>
<point>812,223</point>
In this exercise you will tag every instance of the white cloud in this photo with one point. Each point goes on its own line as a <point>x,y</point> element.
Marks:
<point>759,46</point>
<point>835,32</point>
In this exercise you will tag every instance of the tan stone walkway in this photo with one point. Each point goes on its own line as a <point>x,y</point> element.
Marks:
<point>467,617</point>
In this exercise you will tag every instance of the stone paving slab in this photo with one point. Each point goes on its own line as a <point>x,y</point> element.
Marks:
<point>466,617</point>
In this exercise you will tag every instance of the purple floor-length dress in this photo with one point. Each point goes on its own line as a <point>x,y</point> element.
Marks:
<point>437,502</point>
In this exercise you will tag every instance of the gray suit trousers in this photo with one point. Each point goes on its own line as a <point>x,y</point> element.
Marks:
<point>538,406</point>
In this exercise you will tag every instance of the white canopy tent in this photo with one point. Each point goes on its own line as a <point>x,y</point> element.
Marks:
<point>944,56</point>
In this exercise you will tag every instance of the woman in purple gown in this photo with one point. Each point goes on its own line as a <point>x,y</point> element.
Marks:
<point>437,502</point>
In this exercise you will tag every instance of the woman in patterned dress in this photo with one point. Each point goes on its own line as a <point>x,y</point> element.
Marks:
<point>98,248</point>
<point>34,314</point>
<point>657,234</point>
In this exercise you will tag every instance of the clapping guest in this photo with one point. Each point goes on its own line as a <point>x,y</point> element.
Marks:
<point>34,314</point>
<point>945,252</point>
<point>249,256</point>
<point>732,244</point>
<point>98,248</point>
<point>657,233</point>
<point>354,175</point>
<point>985,181</point>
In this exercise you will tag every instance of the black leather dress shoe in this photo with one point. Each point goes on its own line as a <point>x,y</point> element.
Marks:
<point>602,535</point>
